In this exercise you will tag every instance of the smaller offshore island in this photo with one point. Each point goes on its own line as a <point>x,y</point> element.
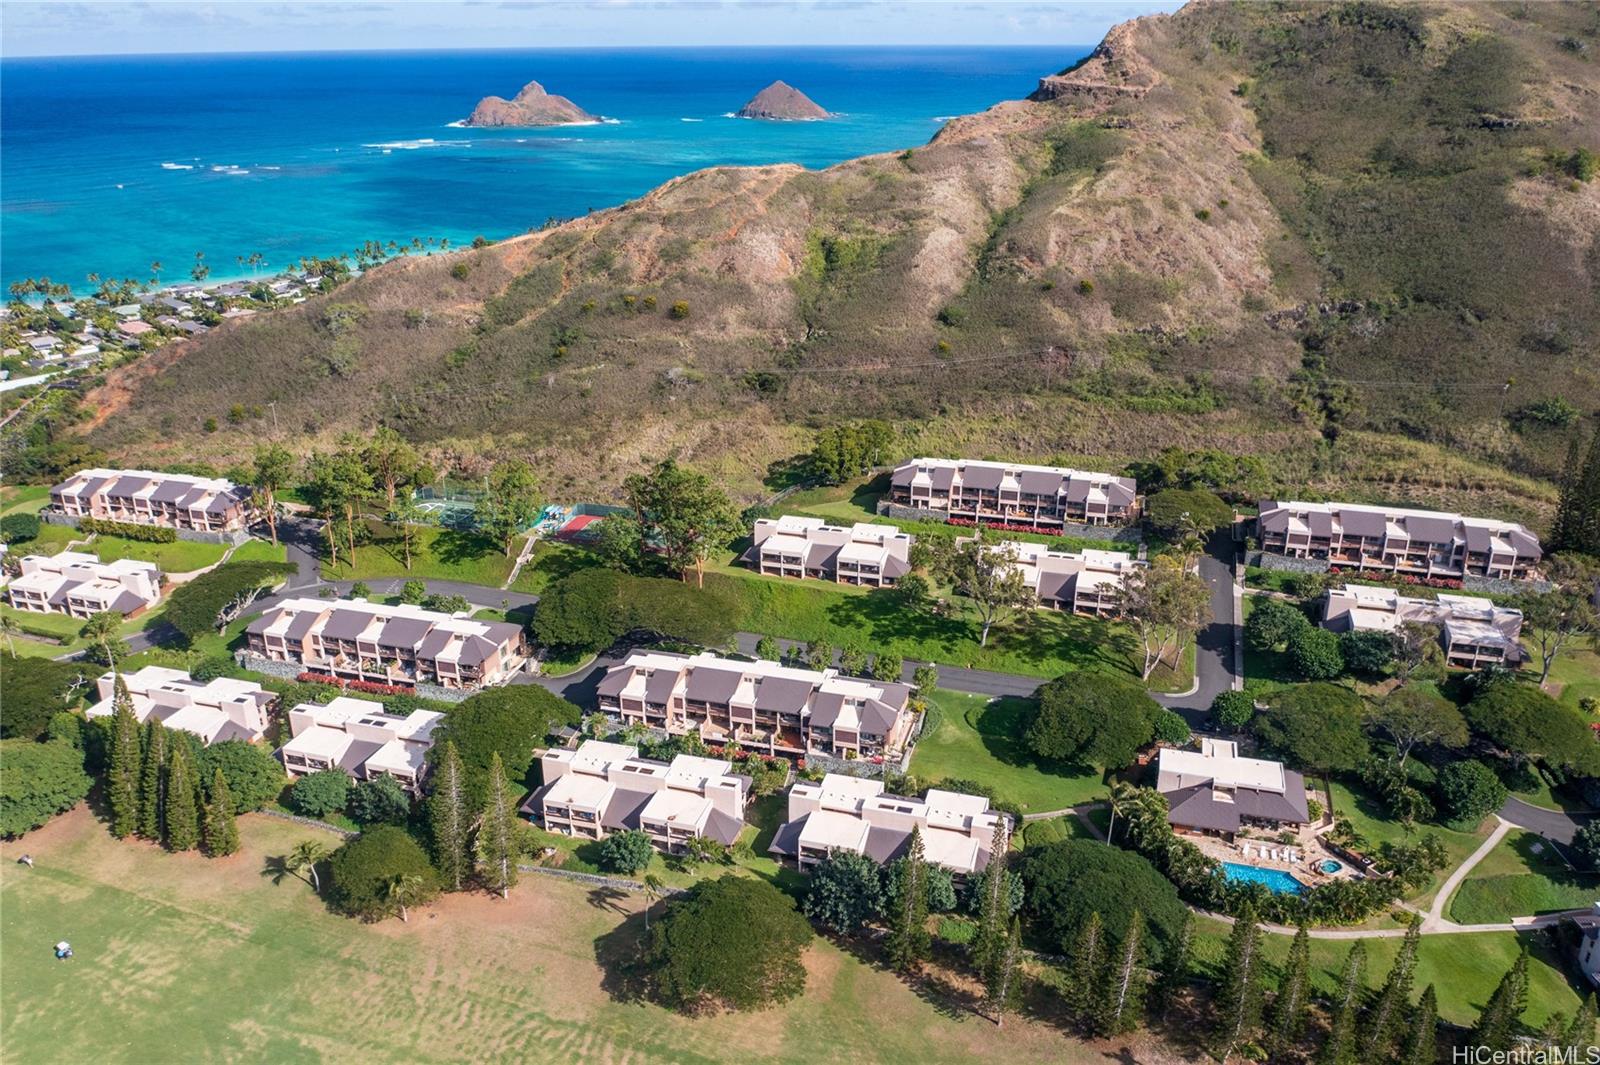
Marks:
<point>780,102</point>
<point>530,107</point>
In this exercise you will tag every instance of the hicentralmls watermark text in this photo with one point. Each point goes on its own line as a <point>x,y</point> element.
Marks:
<point>1528,1055</point>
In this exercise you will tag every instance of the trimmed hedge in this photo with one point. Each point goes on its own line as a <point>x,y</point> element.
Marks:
<point>150,534</point>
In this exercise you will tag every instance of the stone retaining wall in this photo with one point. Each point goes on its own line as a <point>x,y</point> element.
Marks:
<point>1122,534</point>
<point>290,670</point>
<point>1497,586</point>
<point>227,539</point>
<point>1285,563</point>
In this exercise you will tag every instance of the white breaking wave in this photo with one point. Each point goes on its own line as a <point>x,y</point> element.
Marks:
<point>414,145</point>
<point>944,118</point>
<point>177,166</point>
<point>691,120</point>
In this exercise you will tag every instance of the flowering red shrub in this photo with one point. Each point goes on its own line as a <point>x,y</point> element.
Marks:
<point>1002,526</point>
<point>1396,579</point>
<point>367,686</point>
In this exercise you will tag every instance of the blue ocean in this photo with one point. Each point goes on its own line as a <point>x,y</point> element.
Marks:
<point>109,164</point>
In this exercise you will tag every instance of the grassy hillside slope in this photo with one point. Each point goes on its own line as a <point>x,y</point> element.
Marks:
<point>1330,234</point>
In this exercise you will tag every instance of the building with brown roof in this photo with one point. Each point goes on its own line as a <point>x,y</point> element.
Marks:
<point>761,706</point>
<point>1214,791</point>
<point>602,788</point>
<point>1082,582</point>
<point>1043,497</point>
<point>358,737</point>
<point>143,497</point>
<point>1473,630</point>
<point>217,710</point>
<point>866,553</point>
<point>1422,543</point>
<point>352,639</point>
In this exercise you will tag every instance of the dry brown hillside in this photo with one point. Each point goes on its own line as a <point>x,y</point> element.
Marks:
<point>1327,234</point>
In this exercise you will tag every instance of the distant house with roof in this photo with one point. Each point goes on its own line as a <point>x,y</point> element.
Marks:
<point>1042,497</point>
<point>358,737</point>
<point>761,706</point>
<point>216,710</point>
<point>866,553</point>
<point>352,639</point>
<point>1082,582</point>
<point>1421,543</point>
<point>145,497</point>
<point>1474,631</point>
<point>602,788</point>
<point>845,813</point>
<point>1214,791</point>
<point>80,585</point>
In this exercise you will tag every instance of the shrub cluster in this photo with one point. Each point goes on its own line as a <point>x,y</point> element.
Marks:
<point>149,534</point>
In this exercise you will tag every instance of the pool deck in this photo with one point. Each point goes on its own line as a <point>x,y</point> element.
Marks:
<point>1308,847</point>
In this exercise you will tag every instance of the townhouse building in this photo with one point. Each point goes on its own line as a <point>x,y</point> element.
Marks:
<point>1214,791</point>
<point>80,585</point>
<point>866,553</point>
<point>1041,497</point>
<point>144,497</point>
<point>602,788</point>
<point>1422,543</point>
<point>762,706</point>
<point>1473,630</point>
<point>352,639</point>
<point>360,738</point>
<point>218,709</point>
<point>1082,582</point>
<point>845,813</point>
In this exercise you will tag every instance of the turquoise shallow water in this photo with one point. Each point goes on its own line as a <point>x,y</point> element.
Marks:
<point>1276,880</point>
<point>110,163</point>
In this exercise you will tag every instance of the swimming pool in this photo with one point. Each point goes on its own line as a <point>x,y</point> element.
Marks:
<point>1276,880</point>
<point>1330,866</point>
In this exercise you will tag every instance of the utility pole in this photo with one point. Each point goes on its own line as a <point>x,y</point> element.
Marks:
<point>274,405</point>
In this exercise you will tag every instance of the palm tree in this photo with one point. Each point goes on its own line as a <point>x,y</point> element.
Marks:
<point>101,628</point>
<point>401,889</point>
<point>9,628</point>
<point>155,270</point>
<point>653,890</point>
<point>1122,797</point>
<point>304,859</point>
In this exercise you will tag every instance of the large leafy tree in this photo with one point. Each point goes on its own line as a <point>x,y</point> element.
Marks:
<point>1167,604</point>
<point>1554,619</point>
<point>36,689</point>
<point>844,451</point>
<point>254,777</point>
<point>1272,622</point>
<point>584,610</point>
<point>40,780</point>
<point>1471,791</point>
<point>362,871</point>
<point>846,892</point>
<point>626,852</point>
<point>1530,726</point>
<point>208,603</point>
<point>988,578</point>
<point>1315,726</point>
<point>1175,513</point>
<point>381,800</point>
<point>1091,719</point>
<point>683,514</point>
<point>510,722</point>
<point>695,965</point>
<point>273,468</point>
<point>512,503</point>
<point>1417,716</point>
<point>321,793</point>
<point>338,485</point>
<point>394,463</point>
<point>1070,879</point>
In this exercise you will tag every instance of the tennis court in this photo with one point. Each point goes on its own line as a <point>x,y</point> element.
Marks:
<point>580,528</point>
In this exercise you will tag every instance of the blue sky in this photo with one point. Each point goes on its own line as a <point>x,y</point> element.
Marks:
<point>69,27</point>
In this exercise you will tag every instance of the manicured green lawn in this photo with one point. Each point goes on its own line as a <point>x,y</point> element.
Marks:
<point>1370,819</point>
<point>1264,671</point>
<point>183,958</point>
<point>180,556</point>
<point>550,562</point>
<point>1040,643</point>
<point>436,553</point>
<point>23,498</point>
<point>1464,968</point>
<point>981,740</point>
<point>259,551</point>
<point>1577,670</point>
<point>52,540</point>
<point>1523,875</point>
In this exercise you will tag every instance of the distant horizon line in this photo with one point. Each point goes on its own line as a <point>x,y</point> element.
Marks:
<point>543,48</point>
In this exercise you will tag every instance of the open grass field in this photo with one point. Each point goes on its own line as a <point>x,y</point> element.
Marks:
<point>1523,875</point>
<point>436,554</point>
<point>1464,968</point>
<point>259,551</point>
<point>979,739</point>
<point>52,540</point>
<point>550,562</point>
<point>179,958</point>
<point>1040,643</point>
<point>1577,671</point>
<point>1369,819</point>
<point>180,556</point>
<point>23,498</point>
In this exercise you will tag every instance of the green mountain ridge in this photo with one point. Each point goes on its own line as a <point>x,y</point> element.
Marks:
<point>1354,238</point>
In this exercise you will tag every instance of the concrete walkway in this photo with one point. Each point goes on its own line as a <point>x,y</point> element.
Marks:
<point>1435,919</point>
